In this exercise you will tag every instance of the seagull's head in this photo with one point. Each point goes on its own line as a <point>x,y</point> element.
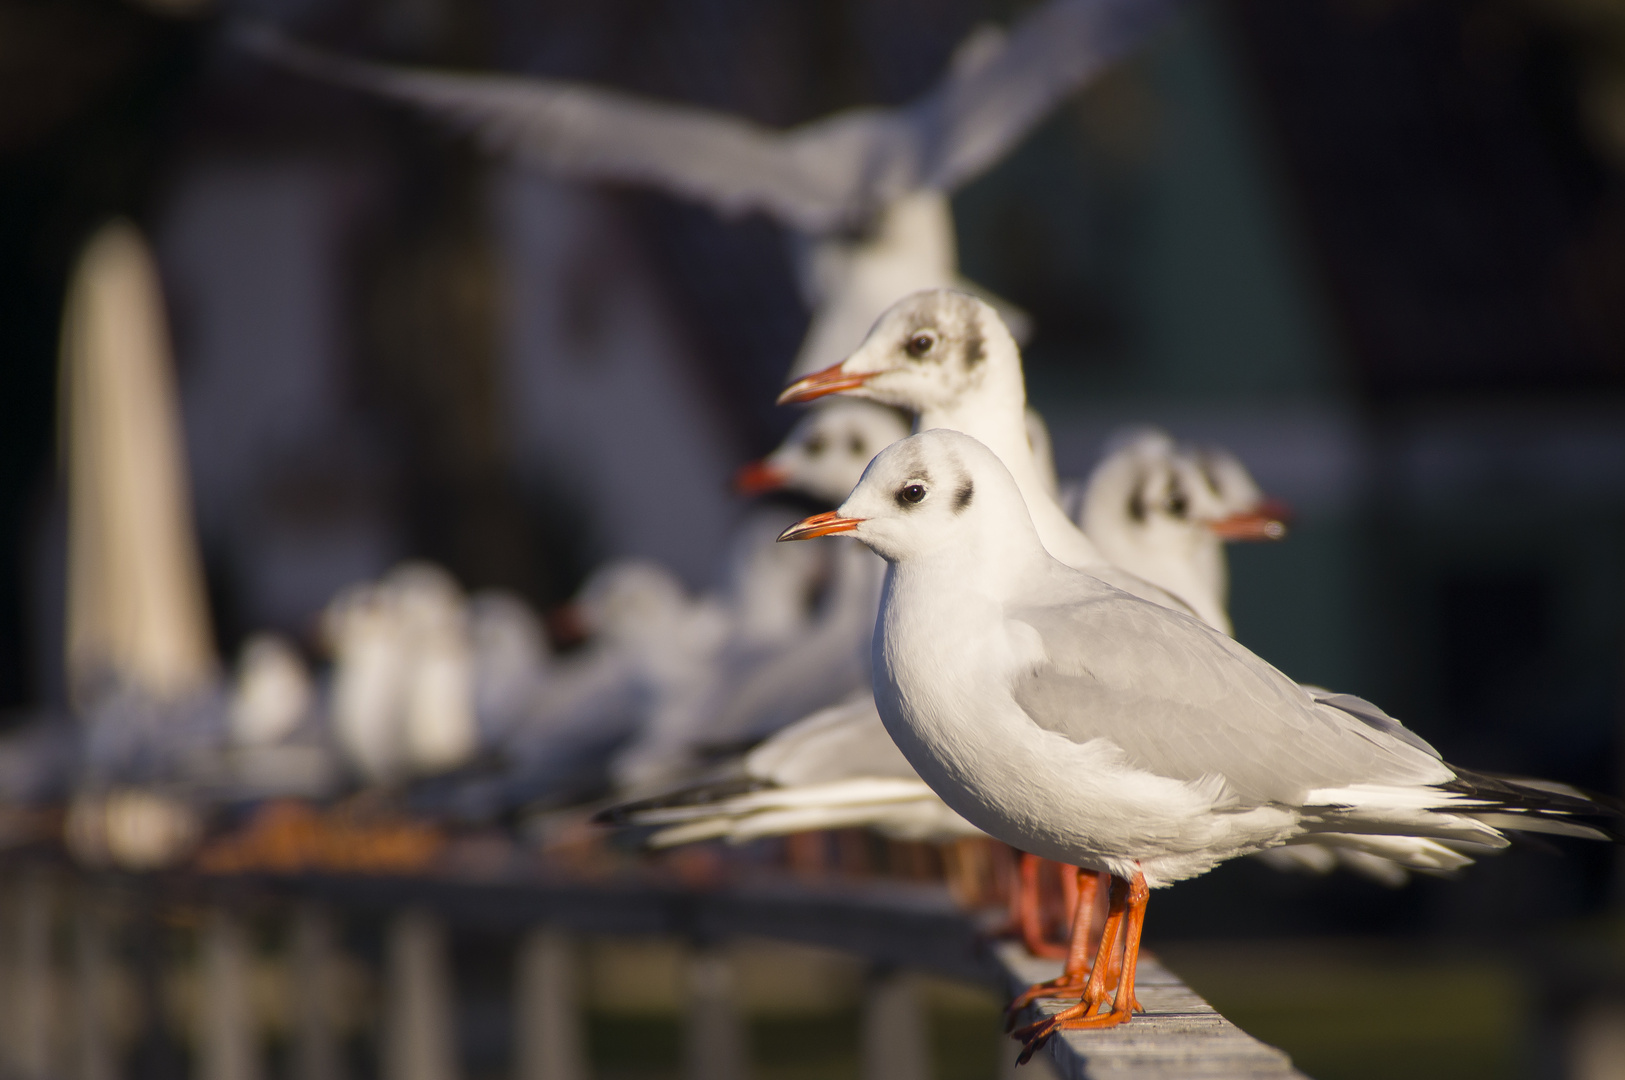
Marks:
<point>1151,497</point>
<point>628,598</point>
<point>930,350</point>
<point>825,454</point>
<point>933,492</point>
<point>1247,514</point>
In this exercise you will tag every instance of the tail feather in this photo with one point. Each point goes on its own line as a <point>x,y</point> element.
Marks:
<point>696,796</point>
<point>1542,806</point>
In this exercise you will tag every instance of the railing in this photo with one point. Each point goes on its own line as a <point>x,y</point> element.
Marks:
<point>56,984</point>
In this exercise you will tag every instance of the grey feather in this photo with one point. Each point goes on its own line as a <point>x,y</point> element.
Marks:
<point>818,177</point>
<point>1227,714</point>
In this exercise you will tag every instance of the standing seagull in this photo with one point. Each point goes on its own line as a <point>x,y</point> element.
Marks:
<point>1069,718</point>
<point>868,186</point>
<point>1163,511</point>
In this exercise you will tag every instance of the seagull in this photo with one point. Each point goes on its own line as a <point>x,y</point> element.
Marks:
<point>1163,511</point>
<point>651,648</point>
<point>826,451</point>
<point>865,189</point>
<point>947,357</point>
<point>858,778</point>
<point>1072,719</point>
<point>767,616</point>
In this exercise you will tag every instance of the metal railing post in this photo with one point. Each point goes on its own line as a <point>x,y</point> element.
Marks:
<point>315,1050</point>
<point>896,1043</point>
<point>714,1044</point>
<point>420,1037</point>
<point>550,1043</point>
<point>92,963</point>
<point>32,989</point>
<point>228,1044</point>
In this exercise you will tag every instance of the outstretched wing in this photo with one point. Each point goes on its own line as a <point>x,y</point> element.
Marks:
<point>581,132</point>
<point>976,115</point>
<point>821,176</point>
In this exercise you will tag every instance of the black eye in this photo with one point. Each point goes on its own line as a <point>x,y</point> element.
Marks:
<point>815,446</point>
<point>920,344</point>
<point>1178,504</point>
<point>911,493</point>
<point>857,447</point>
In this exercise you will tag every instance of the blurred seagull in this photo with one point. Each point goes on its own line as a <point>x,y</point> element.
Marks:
<point>1069,718</point>
<point>867,187</point>
<point>766,614</point>
<point>651,649</point>
<point>1163,511</point>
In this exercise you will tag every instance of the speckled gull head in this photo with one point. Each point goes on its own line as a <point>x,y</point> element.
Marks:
<point>826,452</point>
<point>938,493</point>
<point>930,350</point>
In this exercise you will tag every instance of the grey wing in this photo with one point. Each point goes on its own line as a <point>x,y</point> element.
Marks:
<point>842,742</point>
<point>1367,713</point>
<point>1183,701</point>
<point>975,116</point>
<point>813,178</point>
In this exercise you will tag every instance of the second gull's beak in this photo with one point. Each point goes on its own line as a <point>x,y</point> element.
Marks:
<point>759,478</point>
<point>1267,522</point>
<point>820,525</point>
<point>832,380</point>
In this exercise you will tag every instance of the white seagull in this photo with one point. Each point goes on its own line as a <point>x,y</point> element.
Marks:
<point>1164,510</point>
<point>837,767</point>
<point>946,356</point>
<point>867,187</point>
<point>1071,719</point>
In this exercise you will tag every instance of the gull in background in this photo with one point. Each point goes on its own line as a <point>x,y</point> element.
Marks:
<point>865,189</point>
<point>1071,719</point>
<point>1143,499</point>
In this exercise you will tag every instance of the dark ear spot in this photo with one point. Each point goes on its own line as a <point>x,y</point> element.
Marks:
<point>962,497</point>
<point>975,352</point>
<point>1136,500</point>
<point>1178,504</point>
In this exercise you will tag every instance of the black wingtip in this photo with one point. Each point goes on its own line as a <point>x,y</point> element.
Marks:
<point>626,813</point>
<point>1544,799</point>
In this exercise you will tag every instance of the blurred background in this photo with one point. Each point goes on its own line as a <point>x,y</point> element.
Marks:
<point>1374,247</point>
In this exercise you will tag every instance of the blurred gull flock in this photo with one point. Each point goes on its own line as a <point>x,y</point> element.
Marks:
<point>392,473</point>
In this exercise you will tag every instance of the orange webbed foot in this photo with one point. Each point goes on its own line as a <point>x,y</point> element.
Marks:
<point>1076,1018</point>
<point>1068,985</point>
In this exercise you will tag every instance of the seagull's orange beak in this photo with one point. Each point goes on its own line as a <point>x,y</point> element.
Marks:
<point>1268,522</point>
<point>759,478</point>
<point>832,380</point>
<point>826,524</point>
<point>567,626</point>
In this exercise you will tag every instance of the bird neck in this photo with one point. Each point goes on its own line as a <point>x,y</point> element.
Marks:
<point>998,421</point>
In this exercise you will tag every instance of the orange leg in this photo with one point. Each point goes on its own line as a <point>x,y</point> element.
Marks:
<point>1032,910</point>
<point>1069,896</point>
<point>1123,926</point>
<point>1080,952</point>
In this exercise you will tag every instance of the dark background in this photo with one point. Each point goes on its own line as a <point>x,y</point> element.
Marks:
<point>1375,246</point>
